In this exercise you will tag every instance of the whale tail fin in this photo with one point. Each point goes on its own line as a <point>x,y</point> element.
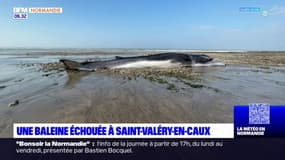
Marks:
<point>119,57</point>
<point>70,64</point>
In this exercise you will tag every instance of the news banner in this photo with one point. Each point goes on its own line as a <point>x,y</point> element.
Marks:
<point>251,121</point>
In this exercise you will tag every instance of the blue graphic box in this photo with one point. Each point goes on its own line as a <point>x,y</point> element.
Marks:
<point>259,120</point>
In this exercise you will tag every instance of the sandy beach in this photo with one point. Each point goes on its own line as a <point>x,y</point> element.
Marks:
<point>35,87</point>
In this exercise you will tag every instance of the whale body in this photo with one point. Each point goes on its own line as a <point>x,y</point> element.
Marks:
<point>162,60</point>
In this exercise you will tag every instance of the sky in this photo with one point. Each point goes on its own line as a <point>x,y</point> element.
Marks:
<point>157,24</point>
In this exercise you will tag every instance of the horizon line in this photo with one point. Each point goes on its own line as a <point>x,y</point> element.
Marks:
<point>132,48</point>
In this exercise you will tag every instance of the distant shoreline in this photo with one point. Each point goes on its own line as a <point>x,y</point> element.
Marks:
<point>141,49</point>
<point>87,51</point>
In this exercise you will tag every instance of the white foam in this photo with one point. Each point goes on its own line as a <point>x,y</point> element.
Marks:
<point>208,64</point>
<point>86,69</point>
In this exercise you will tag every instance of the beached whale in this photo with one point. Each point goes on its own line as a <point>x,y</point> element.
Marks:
<point>162,60</point>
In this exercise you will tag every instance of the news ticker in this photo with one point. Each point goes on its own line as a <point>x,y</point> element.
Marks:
<point>254,120</point>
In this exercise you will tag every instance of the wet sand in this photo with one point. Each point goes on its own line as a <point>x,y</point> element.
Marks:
<point>48,93</point>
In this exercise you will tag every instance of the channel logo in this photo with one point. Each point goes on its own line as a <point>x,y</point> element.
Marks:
<point>22,13</point>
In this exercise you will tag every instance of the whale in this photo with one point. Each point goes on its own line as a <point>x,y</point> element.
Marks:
<point>161,60</point>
